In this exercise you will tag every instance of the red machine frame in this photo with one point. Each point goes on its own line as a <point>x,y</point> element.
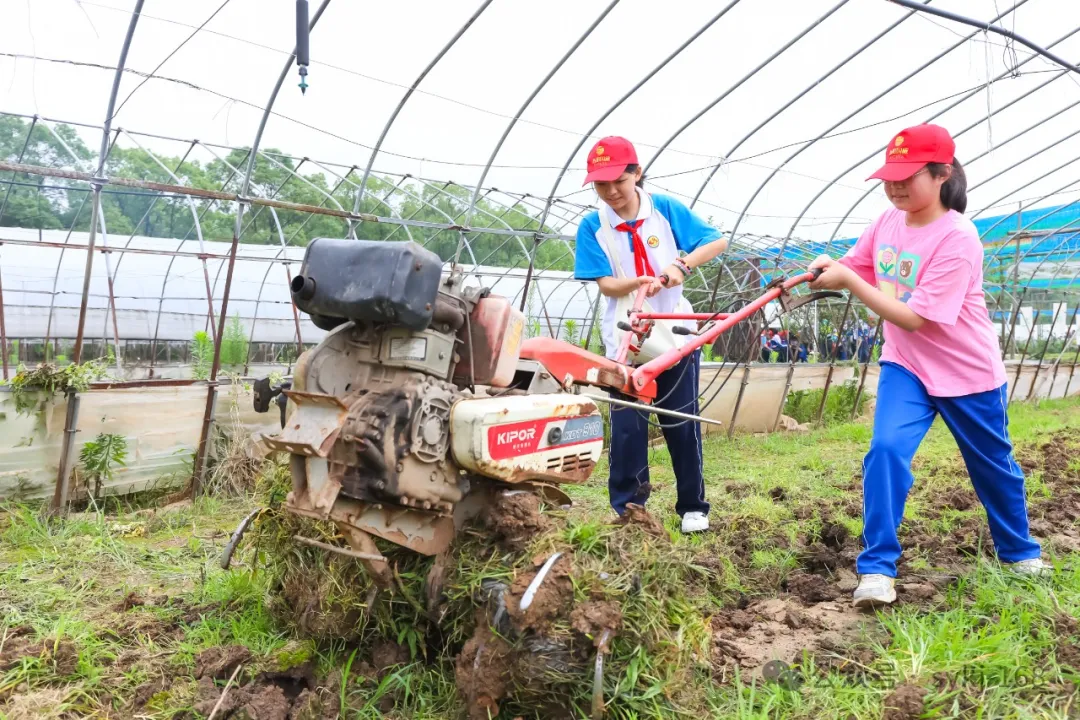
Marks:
<point>572,365</point>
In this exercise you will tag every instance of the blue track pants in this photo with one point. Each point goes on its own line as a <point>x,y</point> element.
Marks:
<point>979,422</point>
<point>628,481</point>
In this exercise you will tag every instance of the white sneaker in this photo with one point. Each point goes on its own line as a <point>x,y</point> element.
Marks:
<point>874,590</point>
<point>693,522</point>
<point>1034,566</point>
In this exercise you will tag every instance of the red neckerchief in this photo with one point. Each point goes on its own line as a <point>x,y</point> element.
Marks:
<point>641,259</point>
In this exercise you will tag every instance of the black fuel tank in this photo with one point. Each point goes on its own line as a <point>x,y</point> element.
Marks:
<point>368,281</point>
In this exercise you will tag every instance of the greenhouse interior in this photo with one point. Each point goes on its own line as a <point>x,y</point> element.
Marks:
<point>155,206</point>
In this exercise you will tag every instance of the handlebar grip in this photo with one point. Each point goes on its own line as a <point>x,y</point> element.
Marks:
<point>816,272</point>
<point>681,330</point>
<point>664,279</point>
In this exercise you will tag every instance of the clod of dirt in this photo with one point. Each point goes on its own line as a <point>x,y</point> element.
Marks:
<point>482,673</point>
<point>218,663</point>
<point>957,499</point>
<point>810,588</point>
<point>905,703</point>
<point>822,560</point>
<point>846,581</point>
<point>551,600</point>
<point>778,494</point>
<point>131,600</point>
<point>593,618</point>
<point>265,702</point>
<point>639,516</point>
<point>737,490</point>
<point>1065,543</point>
<point>516,519</point>
<point>918,591</point>
<point>60,653</point>
<point>834,535</point>
<point>387,654</point>
<point>271,696</point>
<point>778,629</point>
<point>321,703</point>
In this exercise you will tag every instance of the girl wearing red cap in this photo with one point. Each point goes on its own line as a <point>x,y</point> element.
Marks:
<point>919,268</point>
<point>634,240</point>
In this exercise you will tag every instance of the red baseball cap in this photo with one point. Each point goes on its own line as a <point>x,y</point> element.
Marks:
<point>608,159</point>
<point>912,149</point>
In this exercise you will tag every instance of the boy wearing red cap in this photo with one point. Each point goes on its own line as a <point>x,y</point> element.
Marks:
<point>919,268</point>
<point>634,239</point>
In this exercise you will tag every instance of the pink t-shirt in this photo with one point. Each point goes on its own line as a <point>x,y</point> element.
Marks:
<point>937,271</point>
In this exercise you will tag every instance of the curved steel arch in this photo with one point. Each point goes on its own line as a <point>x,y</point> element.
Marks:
<point>1023,293</point>
<point>262,286</point>
<point>195,219</point>
<point>968,162</point>
<point>966,130</point>
<point>958,102</point>
<point>820,80</point>
<point>796,98</point>
<point>95,214</point>
<point>1025,185</point>
<point>605,115</point>
<point>846,118</point>
<point>805,31</point>
<point>408,93</point>
<point>521,111</point>
<point>200,454</point>
<point>342,179</point>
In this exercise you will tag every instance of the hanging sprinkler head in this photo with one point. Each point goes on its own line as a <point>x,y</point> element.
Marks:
<point>302,46</point>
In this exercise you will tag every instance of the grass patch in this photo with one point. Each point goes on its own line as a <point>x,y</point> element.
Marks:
<point>110,613</point>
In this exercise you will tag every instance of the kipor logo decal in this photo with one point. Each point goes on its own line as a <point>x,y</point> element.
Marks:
<point>524,438</point>
<point>513,436</point>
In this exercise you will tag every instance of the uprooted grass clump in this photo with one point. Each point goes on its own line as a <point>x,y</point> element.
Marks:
<point>624,591</point>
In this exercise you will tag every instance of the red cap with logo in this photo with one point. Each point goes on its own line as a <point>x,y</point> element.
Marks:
<point>912,149</point>
<point>608,159</point>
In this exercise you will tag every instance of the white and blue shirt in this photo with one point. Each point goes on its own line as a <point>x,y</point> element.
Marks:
<point>668,228</point>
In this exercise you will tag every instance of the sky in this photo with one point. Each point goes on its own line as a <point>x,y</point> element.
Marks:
<point>771,179</point>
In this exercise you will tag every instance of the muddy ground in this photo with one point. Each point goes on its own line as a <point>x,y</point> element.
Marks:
<point>506,656</point>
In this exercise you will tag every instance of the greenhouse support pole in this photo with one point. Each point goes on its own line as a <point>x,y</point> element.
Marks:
<point>62,494</point>
<point>754,349</point>
<point>1023,355</point>
<point>1072,371</point>
<point>98,181</point>
<point>1057,361</point>
<point>1042,355</point>
<point>832,362</point>
<point>199,467</point>
<point>63,479</point>
<point>295,315</point>
<point>988,27</point>
<point>865,369</point>
<point>3,327</point>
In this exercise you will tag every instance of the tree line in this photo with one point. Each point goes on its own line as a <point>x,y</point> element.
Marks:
<point>53,203</point>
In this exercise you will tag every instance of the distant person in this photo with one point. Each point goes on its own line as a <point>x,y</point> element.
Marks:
<point>634,239</point>
<point>918,267</point>
<point>779,346</point>
<point>766,346</point>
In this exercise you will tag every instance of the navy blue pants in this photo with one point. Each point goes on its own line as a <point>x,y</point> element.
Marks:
<point>979,422</point>
<point>628,482</point>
